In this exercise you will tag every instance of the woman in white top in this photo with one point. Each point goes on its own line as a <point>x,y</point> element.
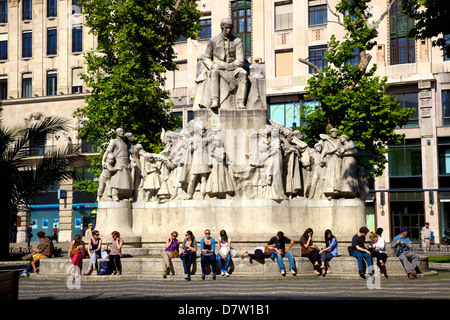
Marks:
<point>224,253</point>
<point>378,248</point>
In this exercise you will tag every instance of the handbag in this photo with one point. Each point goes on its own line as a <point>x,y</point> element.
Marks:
<point>175,253</point>
<point>103,268</point>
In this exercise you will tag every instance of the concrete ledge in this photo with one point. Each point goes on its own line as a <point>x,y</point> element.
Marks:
<point>341,266</point>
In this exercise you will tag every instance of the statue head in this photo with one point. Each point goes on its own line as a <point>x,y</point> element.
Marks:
<point>120,132</point>
<point>226,25</point>
<point>334,132</point>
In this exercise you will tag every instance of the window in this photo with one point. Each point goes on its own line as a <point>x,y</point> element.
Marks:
<point>405,165</point>
<point>180,76</point>
<point>4,46</point>
<point>76,7</point>
<point>26,85</point>
<point>3,11</point>
<point>27,44</point>
<point>446,107</point>
<point>51,8</point>
<point>205,32</point>
<point>410,100</point>
<point>284,63</point>
<point>77,39</point>
<point>283,15</point>
<point>286,110</point>
<point>444,161</point>
<point>317,57</point>
<point>3,88</point>
<point>447,43</point>
<point>402,49</point>
<point>52,43</point>
<point>241,15</point>
<point>37,146</point>
<point>77,82</point>
<point>52,82</point>
<point>317,14</point>
<point>27,11</point>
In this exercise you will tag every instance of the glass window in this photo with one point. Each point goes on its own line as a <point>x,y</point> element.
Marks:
<point>77,39</point>
<point>52,82</point>
<point>27,44</point>
<point>317,15</point>
<point>241,15</point>
<point>3,11</point>
<point>205,32</point>
<point>26,86</point>
<point>405,160</point>
<point>51,8</point>
<point>446,107</point>
<point>283,16</point>
<point>37,146</point>
<point>286,113</point>
<point>317,57</point>
<point>27,11</point>
<point>402,49</point>
<point>3,89</point>
<point>410,100</point>
<point>4,50</point>
<point>52,43</point>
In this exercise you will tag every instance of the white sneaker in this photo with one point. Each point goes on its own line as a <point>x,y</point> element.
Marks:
<point>227,274</point>
<point>222,273</point>
<point>283,272</point>
<point>293,272</point>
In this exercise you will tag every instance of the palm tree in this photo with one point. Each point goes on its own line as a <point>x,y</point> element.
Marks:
<point>21,179</point>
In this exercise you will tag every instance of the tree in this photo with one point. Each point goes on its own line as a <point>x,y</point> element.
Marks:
<point>352,97</point>
<point>23,180</point>
<point>431,18</point>
<point>126,71</point>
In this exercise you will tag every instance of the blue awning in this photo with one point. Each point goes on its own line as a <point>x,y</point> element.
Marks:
<point>75,206</point>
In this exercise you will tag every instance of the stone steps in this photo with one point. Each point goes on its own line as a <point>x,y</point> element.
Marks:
<point>151,267</point>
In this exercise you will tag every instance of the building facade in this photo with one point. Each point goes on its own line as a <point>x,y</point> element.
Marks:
<point>42,42</point>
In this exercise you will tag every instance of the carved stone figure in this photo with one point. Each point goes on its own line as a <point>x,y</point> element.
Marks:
<point>136,152</point>
<point>349,183</point>
<point>104,181</point>
<point>219,182</point>
<point>224,61</point>
<point>317,172</point>
<point>122,184</point>
<point>330,153</point>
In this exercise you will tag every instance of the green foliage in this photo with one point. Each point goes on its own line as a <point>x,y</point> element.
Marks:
<point>23,180</point>
<point>126,72</point>
<point>431,18</point>
<point>353,99</point>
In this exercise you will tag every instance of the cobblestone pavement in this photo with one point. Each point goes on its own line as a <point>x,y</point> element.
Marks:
<point>289,288</point>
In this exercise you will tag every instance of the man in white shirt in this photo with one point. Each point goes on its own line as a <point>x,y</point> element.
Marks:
<point>425,234</point>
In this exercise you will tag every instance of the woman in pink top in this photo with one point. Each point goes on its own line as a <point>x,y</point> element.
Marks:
<point>116,252</point>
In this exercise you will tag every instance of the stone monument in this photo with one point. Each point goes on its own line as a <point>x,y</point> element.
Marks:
<point>231,168</point>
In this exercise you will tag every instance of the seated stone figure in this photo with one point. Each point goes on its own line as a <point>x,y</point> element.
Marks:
<point>225,81</point>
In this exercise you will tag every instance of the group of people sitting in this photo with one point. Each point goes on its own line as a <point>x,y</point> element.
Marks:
<point>277,248</point>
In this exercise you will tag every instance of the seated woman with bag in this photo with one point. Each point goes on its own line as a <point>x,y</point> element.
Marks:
<point>309,250</point>
<point>170,252</point>
<point>94,251</point>
<point>76,252</point>
<point>188,253</point>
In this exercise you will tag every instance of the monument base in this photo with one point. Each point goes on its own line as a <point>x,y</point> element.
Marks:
<point>255,220</point>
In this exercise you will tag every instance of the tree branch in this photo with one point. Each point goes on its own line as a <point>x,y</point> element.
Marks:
<point>172,17</point>
<point>386,12</point>
<point>312,65</point>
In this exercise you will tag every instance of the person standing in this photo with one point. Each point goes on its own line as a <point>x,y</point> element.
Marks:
<point>55,233</point>
<point>402,245</point>
<point>425,234</point>
<point>29,232</point>
<point>207,247</point>
<point>359,251</point>
<point>278,243</point>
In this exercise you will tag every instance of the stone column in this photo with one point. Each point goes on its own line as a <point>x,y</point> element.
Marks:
<point>66,216</point>
<point>24,215</point>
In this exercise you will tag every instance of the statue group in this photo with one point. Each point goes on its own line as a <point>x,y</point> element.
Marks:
<point>195,164</point>
<point>199,162</point>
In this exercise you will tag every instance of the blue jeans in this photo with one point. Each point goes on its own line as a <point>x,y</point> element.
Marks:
<point>360,256</point>
<point>187,261</point>
<point>222,267</point>
<point>212,261</point>
<point>279,257</point>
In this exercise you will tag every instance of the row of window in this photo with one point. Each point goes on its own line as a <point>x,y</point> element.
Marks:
<point>52,42</point>
<point>27,9</point>
<point>51,84</point>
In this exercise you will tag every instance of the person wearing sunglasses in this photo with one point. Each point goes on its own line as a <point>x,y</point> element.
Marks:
<point>188,253</point>
<point>207,247</point>
<point>94,250</point>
